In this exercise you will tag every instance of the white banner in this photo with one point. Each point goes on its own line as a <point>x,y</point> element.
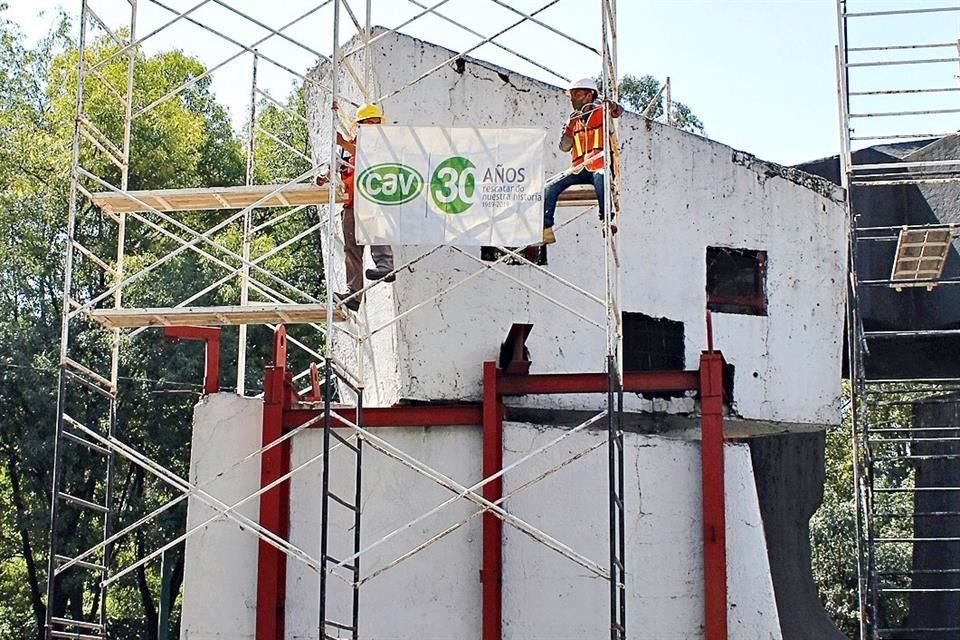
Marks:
<point>459,186</point>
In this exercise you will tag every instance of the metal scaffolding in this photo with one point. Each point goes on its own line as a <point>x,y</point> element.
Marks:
<point>89,394</point>
<point>901,96</point>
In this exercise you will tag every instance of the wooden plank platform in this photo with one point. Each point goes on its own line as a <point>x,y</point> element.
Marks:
<point>212,198</point>
<point>579,195</point>
<point>217,198</point>
<point>215,316</point>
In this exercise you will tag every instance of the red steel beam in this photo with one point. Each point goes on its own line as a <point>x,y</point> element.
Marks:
<point>275,503</point>
<point>491,567</point>
<point>633,382</point>
<point>441,415</point>
<point>210,337</point>
<point>279,417</point>
<point>714,518</point>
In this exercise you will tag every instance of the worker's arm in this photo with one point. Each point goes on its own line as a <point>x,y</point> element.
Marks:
<point>566,138</point>
<point>347,144</point>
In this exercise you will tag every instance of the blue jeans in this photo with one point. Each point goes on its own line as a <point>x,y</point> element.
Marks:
<point>554,190</point>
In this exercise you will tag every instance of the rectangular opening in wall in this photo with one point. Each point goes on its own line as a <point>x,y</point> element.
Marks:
<point>535,254</point>
<point>737,281</point>
<point>651,344</point>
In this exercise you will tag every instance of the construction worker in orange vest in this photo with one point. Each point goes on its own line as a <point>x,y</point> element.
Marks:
<point>583,137</point>
<point>367,114</point>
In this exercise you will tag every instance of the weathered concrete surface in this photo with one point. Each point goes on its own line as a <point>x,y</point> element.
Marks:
<point>220,566</point>
<point>663,534</point>
<point>789,472</point>
<point>435,595</point>
<point>680,194</point>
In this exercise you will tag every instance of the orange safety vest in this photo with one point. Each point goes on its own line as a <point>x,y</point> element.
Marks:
<point>347,175</point>
<point>586,129</point>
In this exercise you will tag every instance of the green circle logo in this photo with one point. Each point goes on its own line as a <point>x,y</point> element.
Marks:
<point>453,185</point>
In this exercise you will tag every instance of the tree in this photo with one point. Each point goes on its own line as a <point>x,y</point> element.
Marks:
<point>31,182</point>
<point>186,141</point>
<point>833,531</point>
<point>636,94</point>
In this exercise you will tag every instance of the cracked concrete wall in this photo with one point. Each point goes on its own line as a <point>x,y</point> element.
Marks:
<point>435,595</point>
<point>220,559</point>
<point>680,194</point>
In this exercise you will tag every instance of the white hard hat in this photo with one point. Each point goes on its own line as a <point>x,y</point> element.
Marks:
<point>584,83</point>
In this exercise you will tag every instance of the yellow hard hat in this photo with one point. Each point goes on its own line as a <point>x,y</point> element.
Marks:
<point>368,111</point>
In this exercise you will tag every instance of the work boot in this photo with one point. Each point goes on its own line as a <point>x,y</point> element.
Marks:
<point>353,303</point>
<point>381,273</point>
<point>548,237</point>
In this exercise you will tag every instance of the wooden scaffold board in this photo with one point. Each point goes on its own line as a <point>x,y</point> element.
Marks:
<point>218,198</point>
<point>215,316</point>
<point>213,198</point>
<point>579,195</point>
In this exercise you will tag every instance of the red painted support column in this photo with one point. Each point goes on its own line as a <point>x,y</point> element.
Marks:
<point>274,504</point>
<point>210,337</point>
<point>491,568</point>
<point>714,521</point>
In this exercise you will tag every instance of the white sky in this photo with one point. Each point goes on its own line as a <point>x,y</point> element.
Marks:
<point>759,73</point>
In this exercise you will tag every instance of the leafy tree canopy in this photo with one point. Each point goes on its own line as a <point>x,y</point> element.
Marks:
<point>637,92</point>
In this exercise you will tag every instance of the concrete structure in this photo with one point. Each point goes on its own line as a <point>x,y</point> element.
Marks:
<point>683,196</point>
<point>681,193</point>
<point>435,595</point>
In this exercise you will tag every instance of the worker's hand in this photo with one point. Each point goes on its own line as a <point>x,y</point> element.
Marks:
<point>322,179</point>
<point>614,108</point>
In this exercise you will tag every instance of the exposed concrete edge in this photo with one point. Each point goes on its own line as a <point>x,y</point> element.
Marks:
<point>670,425</point>
<point>789,475</point>
<point>766,170</point>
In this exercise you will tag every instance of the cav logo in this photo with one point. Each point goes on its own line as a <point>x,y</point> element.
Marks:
<point>453,185</point>
<point>390,183</point>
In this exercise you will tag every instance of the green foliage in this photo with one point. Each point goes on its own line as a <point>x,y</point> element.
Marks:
<point>180,137</point>
<point>636,94</point>
<point>281,142</point>
<point>184,141</point>
<point>15,616</point>
<point>833,534</point>
<point>833,529</point>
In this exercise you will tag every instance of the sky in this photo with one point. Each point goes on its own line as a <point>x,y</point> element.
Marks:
<point>760,74</point>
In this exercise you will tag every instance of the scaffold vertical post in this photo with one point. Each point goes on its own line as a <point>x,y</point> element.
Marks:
<point>334,181</point>
<point>65,333</point>
<point>618,618</point>
<point>328,343</point>
<point>614,331</point>
<point>247,231</point>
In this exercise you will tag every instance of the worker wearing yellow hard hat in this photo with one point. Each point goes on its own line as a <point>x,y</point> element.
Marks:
<point>367,114</point>
<point>584,138</point>
<point>368,111</point>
